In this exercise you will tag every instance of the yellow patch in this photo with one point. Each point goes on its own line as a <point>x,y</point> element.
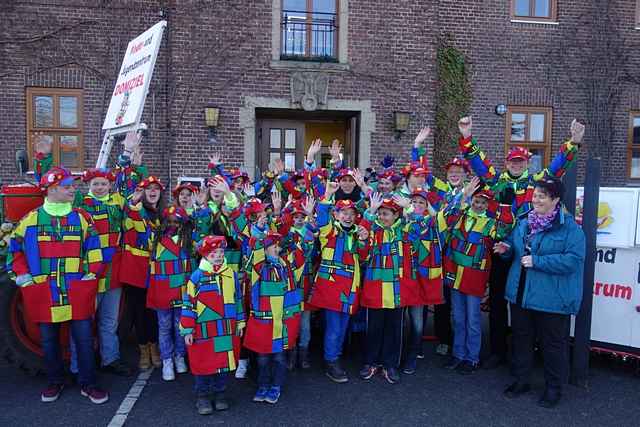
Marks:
<point>60,313</point>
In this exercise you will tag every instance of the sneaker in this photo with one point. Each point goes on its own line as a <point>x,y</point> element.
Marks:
<point>368,371</point>
<point>516,390</point>
<point>273,395</point>
<point>220,401</point>
<point>51,393</point>
<point>420,355</point>
<point>409,367</point>
<point>335,372</point>
<point>94,394</point>
<point>119,368</point>
<point>180,364</point>
<point>203,405</point>
<point>261,394</point>
<point>167,370</point>
<point>467,368</point>
<point>241,370</point>
<point>391,375</point>
<point>442,349</point>
<point>452,363</point>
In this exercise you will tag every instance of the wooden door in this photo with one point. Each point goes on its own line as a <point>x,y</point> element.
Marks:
<point>282,139</point>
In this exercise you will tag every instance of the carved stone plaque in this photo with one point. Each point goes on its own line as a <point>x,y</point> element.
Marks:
<point>309,90</point>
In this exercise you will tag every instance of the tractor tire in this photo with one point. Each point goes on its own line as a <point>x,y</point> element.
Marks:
<point>15,346</point>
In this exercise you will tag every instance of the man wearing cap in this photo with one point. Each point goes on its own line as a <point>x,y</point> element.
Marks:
<point>516,179</point>
<point>55,257</point>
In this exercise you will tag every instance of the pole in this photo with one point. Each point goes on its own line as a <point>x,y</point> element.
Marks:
<point>105,149</point>
<point>582,335</point>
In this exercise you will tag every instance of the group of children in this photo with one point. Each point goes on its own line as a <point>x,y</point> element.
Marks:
<point>236,267</point>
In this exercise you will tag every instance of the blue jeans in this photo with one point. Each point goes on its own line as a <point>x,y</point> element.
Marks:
<point>467,326</point>
<point>207,384</point>
<point>272,369</point>
<point>305,329</point>
<point>107,311</point>
<point>416,318</point>
<point>82,336</point>
<point>169,339</point>
<point>335,329</point>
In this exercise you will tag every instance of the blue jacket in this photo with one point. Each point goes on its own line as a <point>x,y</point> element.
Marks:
<point>554,283</point>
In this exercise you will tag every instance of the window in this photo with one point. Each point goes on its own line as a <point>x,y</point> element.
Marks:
<point>309,30</point>
<point>633,146</point>
<point>57,114</point>
<point>538,10</point>
<point>530,128</point>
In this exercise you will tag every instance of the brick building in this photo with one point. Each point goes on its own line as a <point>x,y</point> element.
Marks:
<point>283,72</point>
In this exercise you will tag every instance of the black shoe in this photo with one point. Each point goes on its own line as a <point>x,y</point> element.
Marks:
<point>409,367</point>
<point>467,368</point>
<point>368,371</point>
<point>335,372</point>
<point>494,361</point>
<point>516,390</point>
<point>549,399</point>
<point>220,401</point>
<point>303,358</point>
<point>119,368</point>
<point>452,363</point>
<point>203,405</point>
<point>391,375</point>
<point>292,357</point>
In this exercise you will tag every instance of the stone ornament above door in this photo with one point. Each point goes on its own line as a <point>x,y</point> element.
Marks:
<point>309,90</point>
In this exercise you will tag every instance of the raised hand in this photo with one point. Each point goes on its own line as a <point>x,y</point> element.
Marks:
<point>388,161</point>
<point>214,159</point>
<point>137,195</point>
<point>247,189</point>
<point>331,189</point>
<point>335,150</point>
<point>465,126</point>
<point>132,141</point>
<point>278,166</point>
<point>425,132</point>
<point>402,201</point>
<point>309,206</point>
<point>471,187</point>
<point>276,200</point>
<point>363,233</point>
<point>136,156</point>
<point>358,177</point>
<point>42,144</point>
<point>314,149</point>
<point>221,185</point>
<point>375,201</point>
<point>577,131</point>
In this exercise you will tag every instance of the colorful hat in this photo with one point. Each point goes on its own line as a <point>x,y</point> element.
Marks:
<point>237,173</point>
<point>210,244</point>
<point>519,153</point>
<point>151,180</point>
<point>485,193</point>
<point>89,174</point>
<point>420,192</point>
<point>178,211</point>
<point>390,204</point>
<point>296,208</point>
<point>391,175</point>
<point>343,173</point>
<point>414,168</point>
<point>254,206</point>
<point>184,186</point>
<point>271,239</point>
<point>57,176</point>
<point>345,204</point>
<point>457,161</point>
<point>320,172</point>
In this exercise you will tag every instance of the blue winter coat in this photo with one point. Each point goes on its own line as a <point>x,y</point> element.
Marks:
<point>554,283</point>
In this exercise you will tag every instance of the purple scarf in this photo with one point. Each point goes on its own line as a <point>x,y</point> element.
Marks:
<point>538,223</point>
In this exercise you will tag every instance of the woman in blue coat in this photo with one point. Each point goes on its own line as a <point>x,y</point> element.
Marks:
<point>544,288</point>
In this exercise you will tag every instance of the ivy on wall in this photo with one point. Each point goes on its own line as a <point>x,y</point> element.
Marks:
<point>453,101</point>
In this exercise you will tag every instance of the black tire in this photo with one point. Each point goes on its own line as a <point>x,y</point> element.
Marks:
<point>11,348</point>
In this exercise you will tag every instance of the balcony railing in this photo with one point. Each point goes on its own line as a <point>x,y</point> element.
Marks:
<point>309,36</point>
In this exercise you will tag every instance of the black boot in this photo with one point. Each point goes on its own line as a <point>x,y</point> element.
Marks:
<point>292,357</point>
<point>220,401</point>
<point>203,405</point>
<point>303,357</point>
<point>335,372</point>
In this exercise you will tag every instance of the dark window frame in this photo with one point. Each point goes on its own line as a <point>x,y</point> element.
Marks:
<point>553,12</point>
<point>309,31</point>
<point>526,143</point>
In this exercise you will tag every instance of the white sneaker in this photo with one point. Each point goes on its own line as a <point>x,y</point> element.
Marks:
<point>167,370</point>
<point>181,365</point>
<point>442,349</point>
<point>241,370</point>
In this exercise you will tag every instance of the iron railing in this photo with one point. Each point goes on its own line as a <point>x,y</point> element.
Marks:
<point>309,36</point>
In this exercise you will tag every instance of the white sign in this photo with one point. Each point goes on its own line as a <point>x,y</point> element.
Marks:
<point>617,216</point>
<point>128,97</point>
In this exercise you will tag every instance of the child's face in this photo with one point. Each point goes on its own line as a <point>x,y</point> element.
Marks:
<point>456,176</point>
<point>517,166</point>
<point>172,223</point>
<point>387,217</point>
<point>237,184</point>
<point>301,184</point>
<point>273,250</point>
<point>346,217</point>
<point>385,185</point>
<point>415,181</point>
<point>99,186</point>
<point>347,184</point>
<point>216,257</point>
<point>299,220</point>
<point>479,204</point>
<point>419,204</point>
<point>152,193</point>
<point>216,195</point>
<point>185,198</point>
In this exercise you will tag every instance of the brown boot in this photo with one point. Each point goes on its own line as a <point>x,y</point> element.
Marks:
<point>155,355</point>
<point>145,361</point>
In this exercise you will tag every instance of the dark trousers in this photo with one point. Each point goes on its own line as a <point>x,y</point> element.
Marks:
<point>208,384</point>
<point>553,333</point>
<point>442,318</point>
<point>272,369</point>
<point>384,336</point>
<point>498,306</point>
<point>83,338</point>
<point>143,319</point>
<point>416,330</point>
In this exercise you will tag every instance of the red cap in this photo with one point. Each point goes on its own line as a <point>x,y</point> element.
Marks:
<point>271,239</point>
<point>89,174</point>
<point>414,168</point>
<point>210,244</point>
<point>344,173</point>
<point>254,206</point>
<point>184,186</point>
<point>486,193</point>
<point>178,211</point>
<point>457,161</point>
<point>519,153</point>
<point>237,173</point>
<point>57,176</point>
<point>151,180</point>
<point>390,204</point>
<point>345,204</point>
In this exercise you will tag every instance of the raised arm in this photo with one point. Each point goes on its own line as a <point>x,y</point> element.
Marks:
<point>478,161</point>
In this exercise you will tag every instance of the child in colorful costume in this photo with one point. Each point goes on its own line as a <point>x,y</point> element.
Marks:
<point>212,322</point>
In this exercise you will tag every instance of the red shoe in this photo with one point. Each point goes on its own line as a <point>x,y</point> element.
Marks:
<point>94,394</point>
<point>51,393</point>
